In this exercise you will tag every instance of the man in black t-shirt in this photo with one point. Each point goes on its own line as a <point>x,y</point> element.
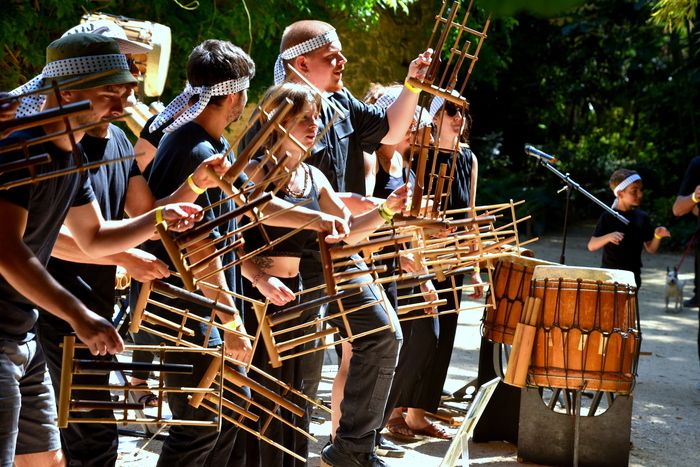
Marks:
<point>314,50</point>
<point>32,217</point>
<point>687,202</point>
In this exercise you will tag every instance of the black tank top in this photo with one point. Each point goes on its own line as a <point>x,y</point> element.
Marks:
<point>386,183</point>
<point>291,246</point>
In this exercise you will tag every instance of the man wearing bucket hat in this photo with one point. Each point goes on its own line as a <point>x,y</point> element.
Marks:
<point>119,188</point>
<point>32,217</point>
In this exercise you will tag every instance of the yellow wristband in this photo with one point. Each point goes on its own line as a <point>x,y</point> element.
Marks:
<point>159,215</point>
<point>411,87</point>
<point>194,187</point>
<point>694,198</point>
<point>235,324</point>
<point>657,236</point>
<point>385,212</point>
<point>477,270</point>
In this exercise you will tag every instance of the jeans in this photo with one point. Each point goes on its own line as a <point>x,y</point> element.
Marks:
<point>373,360</point>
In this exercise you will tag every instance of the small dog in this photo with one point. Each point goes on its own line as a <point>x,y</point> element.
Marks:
<point>674,289</point>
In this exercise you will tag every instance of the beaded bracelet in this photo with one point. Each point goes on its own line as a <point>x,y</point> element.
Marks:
<point>194,187</point>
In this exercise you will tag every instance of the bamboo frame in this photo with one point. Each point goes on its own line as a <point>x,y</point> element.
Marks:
<point>70,366</point>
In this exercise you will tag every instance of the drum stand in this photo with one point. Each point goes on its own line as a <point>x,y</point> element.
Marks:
<point>553,438</point>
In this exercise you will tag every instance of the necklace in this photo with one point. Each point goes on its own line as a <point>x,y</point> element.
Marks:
<point>300,193</point>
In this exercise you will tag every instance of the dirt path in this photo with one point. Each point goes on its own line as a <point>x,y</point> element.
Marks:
<point>666,412</point>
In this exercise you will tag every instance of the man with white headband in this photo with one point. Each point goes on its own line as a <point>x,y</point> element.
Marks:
<point>314,50</point>
<point>218,74</point>
<point>687,202</point>
<point>32,217</point>
<point>622,244</point>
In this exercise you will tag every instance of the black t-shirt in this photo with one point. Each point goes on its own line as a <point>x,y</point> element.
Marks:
<point>47,204</point>
<point>339,153</point>
<point>178,155</point>
<point>628,254</point>
<point>93,284</point>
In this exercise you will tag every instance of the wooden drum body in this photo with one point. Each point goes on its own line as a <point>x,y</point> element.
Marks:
<point>511,288</point>
<point>588,335</point>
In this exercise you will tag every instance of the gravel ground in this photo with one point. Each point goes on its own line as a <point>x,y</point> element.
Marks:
<point>665,431</point>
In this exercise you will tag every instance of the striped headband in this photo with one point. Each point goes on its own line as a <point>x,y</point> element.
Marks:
<point>69,67</point>
<point>421,115</point>
<point>436,105</point>
<point>301,49</point>
<point>205,93</point>
<point>624,184</point>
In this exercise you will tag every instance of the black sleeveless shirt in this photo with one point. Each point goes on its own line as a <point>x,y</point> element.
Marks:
<point>293,245</point>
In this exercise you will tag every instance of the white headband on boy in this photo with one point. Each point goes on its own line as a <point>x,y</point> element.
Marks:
<point>624,184</point>
<point>301,49</point>
<point>66,68</point>
<point>205,93</point>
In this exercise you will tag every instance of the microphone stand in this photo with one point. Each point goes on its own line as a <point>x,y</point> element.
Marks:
<point>570,185</point>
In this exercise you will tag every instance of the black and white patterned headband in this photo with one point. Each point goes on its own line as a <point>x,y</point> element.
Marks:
<point>301,49</point>
<point>66,68</point>
<point>205,93</point>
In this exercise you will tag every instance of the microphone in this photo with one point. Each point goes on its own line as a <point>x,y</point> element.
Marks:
<point>543,156</point>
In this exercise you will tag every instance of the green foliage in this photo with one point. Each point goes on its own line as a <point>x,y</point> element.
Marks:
<point>602,87</point>
<point>254,25</point>
<point>540,7</point>
<point>675,15</point>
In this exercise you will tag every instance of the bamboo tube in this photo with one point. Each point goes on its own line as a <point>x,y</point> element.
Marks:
<point>81,366</point>
<point>47,116</point>
<point>232,407</point>
<point>296,310</point>
<point>66,381</point>
<point>292,343</point>
<point>88,406</point>
<point>153,318</point>
<point>207,379</point>
<point>137,312</point>
<point>240,380</point>
<point>403,309</point>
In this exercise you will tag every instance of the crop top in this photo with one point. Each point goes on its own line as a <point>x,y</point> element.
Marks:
<point>293,245</point>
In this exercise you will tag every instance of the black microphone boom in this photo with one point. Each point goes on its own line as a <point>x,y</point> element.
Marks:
<point>541,155</point>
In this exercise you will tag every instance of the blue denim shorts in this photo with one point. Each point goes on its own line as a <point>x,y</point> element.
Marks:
<point>27,402</point>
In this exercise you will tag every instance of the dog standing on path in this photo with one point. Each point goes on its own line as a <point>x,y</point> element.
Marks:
<point>674,289</point>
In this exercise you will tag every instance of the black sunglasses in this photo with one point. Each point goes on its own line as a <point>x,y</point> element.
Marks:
<point>452,109</point>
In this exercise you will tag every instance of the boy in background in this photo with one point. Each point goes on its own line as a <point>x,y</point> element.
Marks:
<point>622,244</point>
